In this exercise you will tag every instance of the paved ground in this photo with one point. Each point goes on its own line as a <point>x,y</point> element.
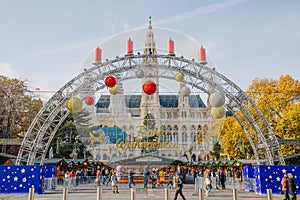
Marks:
<point>89,192</point>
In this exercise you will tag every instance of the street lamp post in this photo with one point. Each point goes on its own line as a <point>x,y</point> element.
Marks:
<point>57,144</point>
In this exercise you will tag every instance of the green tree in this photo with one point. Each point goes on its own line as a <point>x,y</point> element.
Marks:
<point>17,107</point>
<point>64,141</point>
<point>216,151</point>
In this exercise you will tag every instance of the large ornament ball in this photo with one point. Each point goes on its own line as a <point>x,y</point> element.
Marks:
<point>218,112</point>
<point>149,87</point>
<point>114,90</point>
<point>185,91</point>
<point>110,81</point>
<point>89,100</point>
<point>179,77</point>
<point>74,105</point>
<point>217,99</point>
<point>139,73</point>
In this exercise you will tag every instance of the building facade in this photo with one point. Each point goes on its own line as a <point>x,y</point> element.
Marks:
<point>182,122</point>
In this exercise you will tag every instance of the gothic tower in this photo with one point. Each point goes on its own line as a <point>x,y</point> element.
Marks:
<point>150,103</point>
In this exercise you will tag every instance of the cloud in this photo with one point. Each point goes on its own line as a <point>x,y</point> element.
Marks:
<point>199,11</point>
<point>6,70</point>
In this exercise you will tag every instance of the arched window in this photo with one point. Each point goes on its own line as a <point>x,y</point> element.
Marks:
<point>169,133</point>
<point>193,132</point>
<point>193,157</point>
<point>193,136</point>
<point>163,130</point>
<point>175,133</point>
<point>184,134</point>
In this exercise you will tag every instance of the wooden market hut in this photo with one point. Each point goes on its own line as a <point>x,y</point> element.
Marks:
<point>149,160</point>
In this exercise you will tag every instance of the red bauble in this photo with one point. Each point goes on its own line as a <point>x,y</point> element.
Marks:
<point>149,87</point>
<point>110,81</point>
<point>89,100</point>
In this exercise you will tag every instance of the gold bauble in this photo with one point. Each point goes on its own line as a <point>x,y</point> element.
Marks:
<point>114,90</point>
<point>74,105</point>
<point>179,77</point>
<point>218,112</point>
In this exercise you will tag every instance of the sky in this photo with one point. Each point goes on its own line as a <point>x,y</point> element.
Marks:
<point>47,42</point>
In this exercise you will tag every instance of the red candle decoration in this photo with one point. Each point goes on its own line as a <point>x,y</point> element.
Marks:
<point>89,100</point>
<point>129,47</point>
<point>170,47</point>
<point>202,54</point>
<point>149,87</point>
<point>97,56</point>
<point>110,81</point>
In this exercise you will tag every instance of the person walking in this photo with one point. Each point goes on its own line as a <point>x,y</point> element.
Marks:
<point>207,184</point>
<point>284,187</point>
<point>73,178</point>
<point>161,178</point>
<point>178,186</point>
<point>103,176</point>
<point>98,177</point>
<point>77,177</point>
<point>107,176</point>
<point>222,177</point>
<point>170,180</point>
<point>146,175</point>
<point>292,187</point>
<point>67,179</point>
<point>114,183</point>
<point>130,178</point>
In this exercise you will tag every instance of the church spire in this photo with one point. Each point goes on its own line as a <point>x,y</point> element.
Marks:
<point>150,42</point>
<point>150,24</point>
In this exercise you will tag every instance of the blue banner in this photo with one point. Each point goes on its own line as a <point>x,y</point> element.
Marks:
<point>269,177</point>
<point>18,179</point>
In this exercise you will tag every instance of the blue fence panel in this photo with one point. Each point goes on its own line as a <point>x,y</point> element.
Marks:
<point>269,177</point>
<point>18,179</point>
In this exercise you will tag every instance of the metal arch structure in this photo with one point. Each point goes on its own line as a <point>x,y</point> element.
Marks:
<point>43,128</point>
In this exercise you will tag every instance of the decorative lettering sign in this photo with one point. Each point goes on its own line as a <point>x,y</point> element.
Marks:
<point>143,132</point>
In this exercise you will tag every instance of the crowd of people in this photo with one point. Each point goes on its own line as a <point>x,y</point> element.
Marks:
<point>220,174</point>
<point>173,176</point>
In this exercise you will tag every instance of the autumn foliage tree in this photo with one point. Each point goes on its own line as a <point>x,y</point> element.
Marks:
<point>17,107</point>
<point>279,102</point>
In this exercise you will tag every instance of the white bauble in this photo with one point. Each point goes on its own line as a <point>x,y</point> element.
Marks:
<point>185,91</point>
<point>217,99</point>
<point>139,73</point>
